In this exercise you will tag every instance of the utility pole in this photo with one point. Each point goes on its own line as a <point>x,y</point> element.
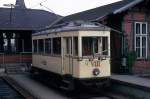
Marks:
<point>11,6</point>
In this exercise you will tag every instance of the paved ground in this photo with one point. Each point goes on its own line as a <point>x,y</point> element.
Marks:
<point>135,86</point>
<point>37,89</point>
<point>43,92</point>
<point>135,80</point>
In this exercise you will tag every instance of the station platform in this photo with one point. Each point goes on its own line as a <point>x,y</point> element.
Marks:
<point>132,81</point>
<point>35,88</point>
<point>132,85</point>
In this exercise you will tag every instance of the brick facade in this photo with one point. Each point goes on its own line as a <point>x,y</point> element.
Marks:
<point>140,66</point>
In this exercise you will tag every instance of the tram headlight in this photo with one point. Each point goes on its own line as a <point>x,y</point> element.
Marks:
<point>96,72</point>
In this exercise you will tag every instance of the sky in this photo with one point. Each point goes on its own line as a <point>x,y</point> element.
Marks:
<point>62,7</point>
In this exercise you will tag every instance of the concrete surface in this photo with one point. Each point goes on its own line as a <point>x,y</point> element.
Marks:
<point>131,79</point>
<point>36,89</point>
<point>135,86</point>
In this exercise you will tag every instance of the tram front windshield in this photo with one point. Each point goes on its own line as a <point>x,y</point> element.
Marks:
<point>94,45</point>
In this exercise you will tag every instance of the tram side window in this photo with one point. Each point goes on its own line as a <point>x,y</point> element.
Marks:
<point>68,45</point>
<point>75,46</point>
<point>35,46</point>
<point>40,46</point>
<point>48,46</point>
<point>89,45</point>
<point>105,45</point>
<point>57,46</point>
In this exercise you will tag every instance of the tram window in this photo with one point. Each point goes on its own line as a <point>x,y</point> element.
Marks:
<point>89,45</point>
<point>75,46</point>
<point>35,46</point>
<point>40,46</point>
<point>48,46</point>
<point>57,46</point>
<point>105,45</point>
<point>68,45</point>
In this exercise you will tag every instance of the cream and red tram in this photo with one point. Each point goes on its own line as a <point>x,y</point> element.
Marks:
<point>72,53</point>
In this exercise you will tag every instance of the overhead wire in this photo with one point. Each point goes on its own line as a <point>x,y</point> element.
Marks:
<point>47,8</point>
<point>41,4</point>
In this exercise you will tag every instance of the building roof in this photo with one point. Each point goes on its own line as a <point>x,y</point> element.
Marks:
<point>100,12</point>
<point>21,18</point>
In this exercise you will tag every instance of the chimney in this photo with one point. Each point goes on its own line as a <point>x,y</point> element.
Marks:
<point>20,4</point>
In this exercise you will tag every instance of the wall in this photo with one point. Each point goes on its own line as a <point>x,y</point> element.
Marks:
<point>15,58</point>
<point>140,66</point>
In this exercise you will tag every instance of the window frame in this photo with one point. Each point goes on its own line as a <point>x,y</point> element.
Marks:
<point>35,48</point>
<point>40,47</point>
<point>141,36</point>
<point>75,48</point>
<point>48,46</point>
<point>99,46</point>
<point>68,43</point>
<point>54,52</point>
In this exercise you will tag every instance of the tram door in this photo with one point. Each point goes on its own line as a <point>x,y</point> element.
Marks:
<point>67,57</point>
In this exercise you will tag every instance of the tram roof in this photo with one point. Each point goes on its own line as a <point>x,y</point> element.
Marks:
<point>74,26</point>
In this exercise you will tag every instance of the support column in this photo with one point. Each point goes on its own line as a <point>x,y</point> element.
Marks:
<point>1,43</point>
<point>9,36</point>
<point>80,46</point>
<point>23,35</point>
<point>27,42</point>
<point>18,42</point>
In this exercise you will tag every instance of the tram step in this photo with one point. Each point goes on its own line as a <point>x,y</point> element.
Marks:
<point>64,88</point>
<point>66,81</point>
<point>67,85</point>
<point>67,88</point>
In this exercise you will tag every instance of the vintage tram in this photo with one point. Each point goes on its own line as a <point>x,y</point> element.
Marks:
<point>73,53</point>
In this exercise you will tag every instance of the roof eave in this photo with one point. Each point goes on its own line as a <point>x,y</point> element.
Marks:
<point>120,10</point>
<point>127,6</point>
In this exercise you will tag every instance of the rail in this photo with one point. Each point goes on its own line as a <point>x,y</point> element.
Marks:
<point>16,87</point>
<point>6,92</point>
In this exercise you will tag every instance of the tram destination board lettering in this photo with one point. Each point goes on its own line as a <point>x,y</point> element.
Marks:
<point>93,63</point>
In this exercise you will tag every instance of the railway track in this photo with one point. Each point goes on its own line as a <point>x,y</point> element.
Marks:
<point>11,90</point>
<point>7,92</point>
<point>83,92</point>
<point>95,93</point>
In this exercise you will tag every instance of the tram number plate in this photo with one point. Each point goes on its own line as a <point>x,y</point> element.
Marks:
<point>95,63</point>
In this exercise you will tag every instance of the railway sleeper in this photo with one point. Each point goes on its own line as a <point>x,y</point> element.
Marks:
<point>18,88</point>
